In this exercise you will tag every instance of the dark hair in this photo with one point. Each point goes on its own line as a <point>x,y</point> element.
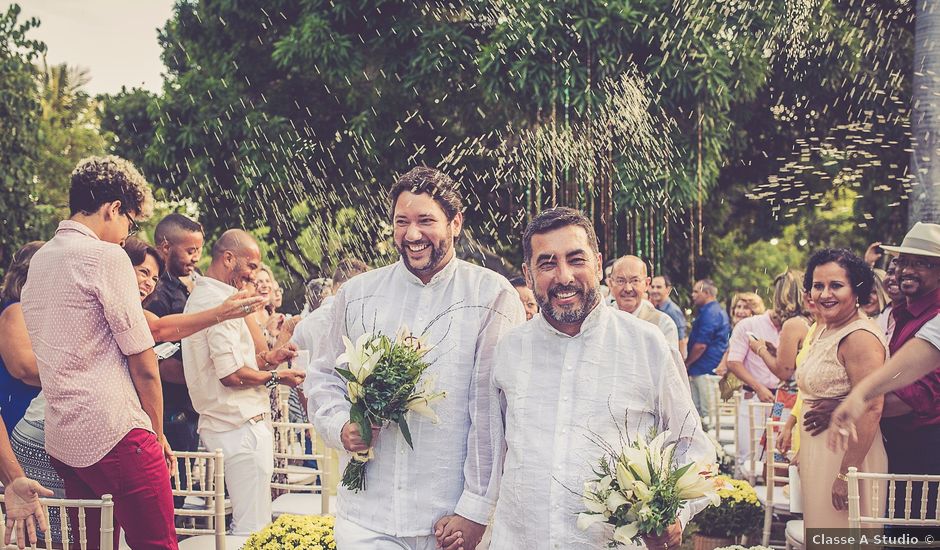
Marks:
<point>100,180</point>
<point>555,218</point>
<point>348,268</point>
<point>666,279</point>
<point>518,282</point>
<point>15,277</point>
<point>173,223</point>
<point>434,183</point>
<point>861,276</point>
<point>137,250</point>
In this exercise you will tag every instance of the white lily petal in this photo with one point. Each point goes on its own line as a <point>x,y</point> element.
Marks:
<point>615,500</point>
<point>587,520</point>
<point>625,533</point>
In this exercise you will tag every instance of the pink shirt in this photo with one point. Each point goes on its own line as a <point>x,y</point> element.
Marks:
<point>739,349</point>
<point>84,318</point>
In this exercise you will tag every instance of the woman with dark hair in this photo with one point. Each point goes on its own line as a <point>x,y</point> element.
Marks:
<point>19,375</point>
<point>28,436</point>
<point>847,347</point>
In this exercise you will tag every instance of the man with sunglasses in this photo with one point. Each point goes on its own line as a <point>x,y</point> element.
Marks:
<point>94,350</point>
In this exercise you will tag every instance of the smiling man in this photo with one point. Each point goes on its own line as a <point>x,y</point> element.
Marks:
<point>576,373</point>
<point>443,490</point>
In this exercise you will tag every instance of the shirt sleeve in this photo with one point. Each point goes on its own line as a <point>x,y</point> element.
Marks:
<point>117,292</point>
<point>738,347</point>
<point>224,340</point>
<point>677,414</point>
<point>676,314</point>
<point>327,406</point>
<point>481,476</point>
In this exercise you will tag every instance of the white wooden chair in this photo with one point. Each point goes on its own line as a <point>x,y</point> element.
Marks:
<point>725,427</point>
<point>203,482</point>
<point>771,494</point>
<point>106,528</point>
<point>758,413</point>
<point>910,517</point>
<point>308,491</point>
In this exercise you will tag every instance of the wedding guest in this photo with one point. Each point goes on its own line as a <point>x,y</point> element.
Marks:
<point>659,292</point>
<point>895,296</point>
<point>879,297</point>
<point>316,290</point>
<point>848,348</point>
<point>707,343</point>
<point>28,436</point>
<point>628,282</point>
<point>525,296</point>
<point>759,382</point>
<point>179,241</point>
<point>82,309</point>
<point>19,375</point>
<point>781,360</point>
<point>21,498</point>
<point>229,382</point>
<point>742,306</point>
<point>577,373</point>
<point>442,491</point>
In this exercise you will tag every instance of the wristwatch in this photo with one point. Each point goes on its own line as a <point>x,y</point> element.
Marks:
<point>273,381</point>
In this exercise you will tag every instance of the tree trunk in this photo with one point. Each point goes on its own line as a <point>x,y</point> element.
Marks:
<point>924,202</point>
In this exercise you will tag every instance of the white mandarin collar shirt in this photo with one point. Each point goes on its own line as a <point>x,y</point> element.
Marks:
<point>648,312</point>
<point>465,309</point>
<point>310,331</point>
<point>558,395</point>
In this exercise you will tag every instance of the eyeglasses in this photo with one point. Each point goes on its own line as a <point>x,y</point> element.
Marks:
<point>620,281</point>
<point>903,263</point>
<point>133,228</point>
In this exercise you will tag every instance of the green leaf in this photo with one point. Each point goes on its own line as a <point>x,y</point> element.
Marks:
<point>345,373</point>
<point>405,432</point>
<point>357,415</point>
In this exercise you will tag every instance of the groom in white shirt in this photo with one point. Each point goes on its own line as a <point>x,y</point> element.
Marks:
<point>577,372</point>
<point>443,490</point>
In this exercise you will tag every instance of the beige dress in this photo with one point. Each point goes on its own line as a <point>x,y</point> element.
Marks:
<point>822,376</point>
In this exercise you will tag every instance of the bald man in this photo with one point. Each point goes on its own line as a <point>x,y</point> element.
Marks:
<point>229,382</point>
<point>629,281</point>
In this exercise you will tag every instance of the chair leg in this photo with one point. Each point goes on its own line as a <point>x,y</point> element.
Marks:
<point>768,522</point>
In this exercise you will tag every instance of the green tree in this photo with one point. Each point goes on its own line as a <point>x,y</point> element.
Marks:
<point>19,126</point>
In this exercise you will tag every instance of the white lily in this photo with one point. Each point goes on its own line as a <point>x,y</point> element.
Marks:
<point>361,358</point>
<point>625,533</point>
<point>615,500</point>
<point>642,491</point>
<point>421,404</point>
<point>637,460</point>
<point>586,520</point>
<point>693,485</point>
<point>603,483</point>
<point>590,498</point>
<point>355,391</point>
<point>417,343</point>
<point>624,478</point>
<point>657,451</point>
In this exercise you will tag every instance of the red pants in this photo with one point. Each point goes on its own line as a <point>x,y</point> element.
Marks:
<point>134,472</point>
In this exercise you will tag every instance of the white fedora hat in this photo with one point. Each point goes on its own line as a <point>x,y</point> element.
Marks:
<point>922,240</point>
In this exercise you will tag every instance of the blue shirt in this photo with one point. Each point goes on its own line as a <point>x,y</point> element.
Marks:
<point>712,328</point>
<point>15,396</point>
<point>675,312</point>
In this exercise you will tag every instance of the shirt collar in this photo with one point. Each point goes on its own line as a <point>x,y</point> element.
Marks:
<point>917,307</point>
<point>439,277</point>
<point>216,285</point>
<point>594,318</point>
<point>70,225</point>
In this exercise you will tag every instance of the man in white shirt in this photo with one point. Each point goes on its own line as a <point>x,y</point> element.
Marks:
<point>629,281</point>
<point>229,383</point>
<point>577,373</point>
<point>444,489</point>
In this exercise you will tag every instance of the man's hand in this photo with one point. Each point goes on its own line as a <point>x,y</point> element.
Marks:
<point>873,254</point>
<point>352,439</point>
<point>291,377</point>
<point>168,455</point>
<point>458,533</point>
<point>671,538</point>
<point>23,510</point>
<point>281,354</point>
<point>764,394</point>
<point>816,419</point>
<point>240,304</point>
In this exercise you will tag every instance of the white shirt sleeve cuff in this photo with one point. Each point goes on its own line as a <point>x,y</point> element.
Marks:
<point>474,507</point>
<point>334,430</point>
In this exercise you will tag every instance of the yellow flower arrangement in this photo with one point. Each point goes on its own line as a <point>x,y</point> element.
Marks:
<point>738,513</point>
<point>298,532</point>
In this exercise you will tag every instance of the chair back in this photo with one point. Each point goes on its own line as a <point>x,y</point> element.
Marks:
<point>293,461</point>
<point>928,485</point>
<point>770,475</point>
<point>726,418</point>
<point>758,414</point>
<point>77,508</point>
<point>201,476</point>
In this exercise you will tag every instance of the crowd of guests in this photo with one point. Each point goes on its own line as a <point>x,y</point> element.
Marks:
<point>528,364</point>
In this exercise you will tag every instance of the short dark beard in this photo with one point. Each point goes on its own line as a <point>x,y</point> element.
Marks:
<point>590,299</point>
<point>437,255</point>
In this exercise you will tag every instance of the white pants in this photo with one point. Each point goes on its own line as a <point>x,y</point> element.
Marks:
<point>249,464</point>
<point>352,536</point>
<point>701,386</point>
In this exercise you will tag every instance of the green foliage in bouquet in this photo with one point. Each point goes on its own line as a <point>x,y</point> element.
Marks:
<point>382,380</point>
<point>297,532</point>
<point>738,513</point>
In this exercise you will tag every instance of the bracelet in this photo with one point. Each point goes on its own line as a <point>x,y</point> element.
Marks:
<point>842,476</point>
